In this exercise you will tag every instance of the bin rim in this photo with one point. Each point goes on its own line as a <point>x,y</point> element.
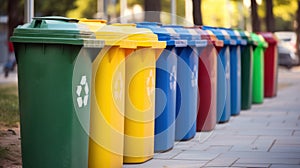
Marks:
<point>269,37</point>
<point>55,30</point>
<point>259,40</point>
<point>165,34</point>
<point>129,36</point>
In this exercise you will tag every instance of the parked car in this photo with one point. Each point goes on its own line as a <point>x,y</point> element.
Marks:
<point>287,49</point>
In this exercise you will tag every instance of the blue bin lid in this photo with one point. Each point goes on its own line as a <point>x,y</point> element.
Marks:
<point>171,37</point>
<point>235,35</point>
<point>193,37</point>
<point>221,35</point>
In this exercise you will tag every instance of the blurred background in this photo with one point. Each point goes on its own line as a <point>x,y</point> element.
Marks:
<point>252,15</point>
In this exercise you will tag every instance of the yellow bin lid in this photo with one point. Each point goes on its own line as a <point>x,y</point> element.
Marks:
<point>123,35</point>
<point>93,24</point>
<point>142,36</point>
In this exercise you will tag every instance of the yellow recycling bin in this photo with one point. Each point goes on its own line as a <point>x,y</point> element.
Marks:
<point>140,94</point>
<point>108,97</point>
<point>108,94</point>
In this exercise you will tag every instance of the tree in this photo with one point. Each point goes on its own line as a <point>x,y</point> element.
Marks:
<point>152,10</point>
<point>254,17</point>
<point>197,13</point>
<point>15,15</point>
<point>270,22</point>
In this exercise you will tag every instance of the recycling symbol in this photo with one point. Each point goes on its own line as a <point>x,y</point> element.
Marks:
<point>118,87</point>
<point>82,92</point>
<point>150,83</point>
<point>173,78</point>
<point>194,76</point>
<point>227,69</point>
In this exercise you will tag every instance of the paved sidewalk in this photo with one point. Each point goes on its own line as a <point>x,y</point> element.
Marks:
<point>268,135</point>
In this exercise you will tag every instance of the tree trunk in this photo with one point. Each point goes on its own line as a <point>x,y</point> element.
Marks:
<point>197,13</point>
<point>270,22</point>
<point>254,16</point>
<point>15,16</point>
<point>298,31</point>
<point>152,10</point>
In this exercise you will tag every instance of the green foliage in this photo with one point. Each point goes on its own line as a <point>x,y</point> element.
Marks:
<point>9,111</point>
<point>83,9</point>
<point>3,7</point>
<point>285,9</point>
<point>216,13</point>
<point>133,2</point>
<point>284,14</point>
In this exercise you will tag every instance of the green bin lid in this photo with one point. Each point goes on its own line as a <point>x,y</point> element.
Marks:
<point>56,30</point>
<point>246,35</point>
<point>260,41</point>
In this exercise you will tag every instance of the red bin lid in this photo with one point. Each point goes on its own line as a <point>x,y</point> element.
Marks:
<point>208,35</point>
<point>269,37</point>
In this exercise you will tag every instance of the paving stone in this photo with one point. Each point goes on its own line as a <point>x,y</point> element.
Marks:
<point>222,161</point>
<point>219,148</point>
<point>297,133</point>
<point>251,147</point>
<point>291,140</point>
<point>231,140</point>
<point>202,137</point>
<point>168,155</point>
<point>196,155</point>
<point>261,154</point>
<point>284,166</point>
<point>159,163</point>
<point>261,165</point>
<point>286,148</point>
<point>269,160</point>
<point>285,132</point>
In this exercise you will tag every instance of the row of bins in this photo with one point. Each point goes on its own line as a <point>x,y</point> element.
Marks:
<point>99,95</point>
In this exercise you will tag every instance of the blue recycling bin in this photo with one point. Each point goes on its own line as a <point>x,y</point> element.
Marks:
<point>187,82</point>
<point>235,70</point>
<point>223,84</point>
<point>165,100</point>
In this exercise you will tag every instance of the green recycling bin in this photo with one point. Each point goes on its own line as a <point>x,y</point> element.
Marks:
<point>54,56</point>
<point>246,70</point>
<point>258,68</point>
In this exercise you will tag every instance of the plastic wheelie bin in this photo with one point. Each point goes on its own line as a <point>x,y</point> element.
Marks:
<point>271,65</point>
<point>223,67</point>
<point>187,82</point>
<point>108,96</point>
<point>235,70</point>
<point>246,71</point>
<point>165,96</point>
<point>207,81</point>
<point>258,68</point>
<point>140,93</point>
<point>54,56</point>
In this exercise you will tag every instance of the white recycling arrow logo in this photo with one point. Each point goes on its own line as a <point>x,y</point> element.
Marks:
<point>119,87</point>
<point>194,76</point>
<point>227,69</point>
<point>82,92</point>
<point>173,78</point>
<point>150,83</point>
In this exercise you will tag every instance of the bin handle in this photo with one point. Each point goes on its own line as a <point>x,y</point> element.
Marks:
<point>58,18</point>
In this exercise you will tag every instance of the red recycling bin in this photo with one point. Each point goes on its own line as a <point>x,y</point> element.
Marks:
<point>271,65</point>
<point>207,82</point>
